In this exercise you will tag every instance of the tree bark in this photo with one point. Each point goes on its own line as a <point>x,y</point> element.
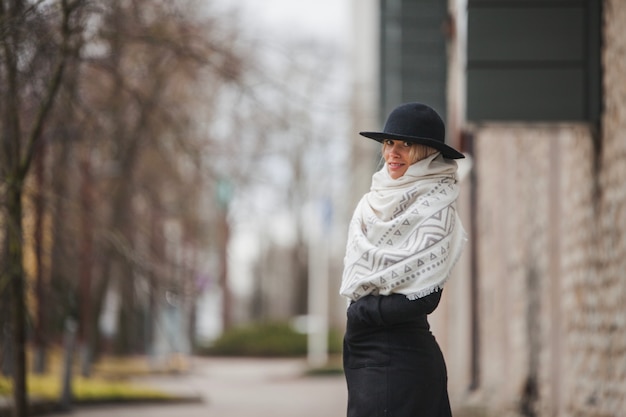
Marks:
<point>18,305</point>
<point>39,334</point>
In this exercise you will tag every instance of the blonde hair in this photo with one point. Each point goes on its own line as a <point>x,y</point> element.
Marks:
<point>416,153</point>
<point>419,152</point>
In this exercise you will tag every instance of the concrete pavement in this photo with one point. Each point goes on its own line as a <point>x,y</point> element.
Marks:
<point>239,388</point>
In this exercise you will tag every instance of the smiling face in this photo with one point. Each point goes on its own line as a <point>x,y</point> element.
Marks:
<point>399,155</point>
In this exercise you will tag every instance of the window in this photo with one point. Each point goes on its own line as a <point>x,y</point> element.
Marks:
<point>533,60</point>
<point>413,53</point>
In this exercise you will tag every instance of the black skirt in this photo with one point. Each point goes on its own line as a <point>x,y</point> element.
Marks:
<point>394,370</point>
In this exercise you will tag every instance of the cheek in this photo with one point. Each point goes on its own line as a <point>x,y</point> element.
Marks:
<point>404,153</point>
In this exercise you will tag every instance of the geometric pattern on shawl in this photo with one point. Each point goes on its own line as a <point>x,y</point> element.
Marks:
<point>412,252</point>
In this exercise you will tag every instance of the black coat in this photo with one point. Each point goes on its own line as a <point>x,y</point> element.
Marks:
<point>392,362</point>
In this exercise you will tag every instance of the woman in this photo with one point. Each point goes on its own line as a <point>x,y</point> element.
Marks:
<point>404,238</point>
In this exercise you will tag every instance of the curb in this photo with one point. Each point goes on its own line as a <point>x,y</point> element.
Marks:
<point>43,407</point>
<point>35,407</point>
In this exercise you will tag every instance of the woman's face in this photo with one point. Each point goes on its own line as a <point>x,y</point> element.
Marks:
<point>396,155</point>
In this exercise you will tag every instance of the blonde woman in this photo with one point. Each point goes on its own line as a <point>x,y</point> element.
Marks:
<point>403,241</point>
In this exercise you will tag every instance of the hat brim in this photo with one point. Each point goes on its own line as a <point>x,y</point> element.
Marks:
<point>447,151</point>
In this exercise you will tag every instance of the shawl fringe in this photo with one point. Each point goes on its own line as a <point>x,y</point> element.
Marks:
<point>420,294</point>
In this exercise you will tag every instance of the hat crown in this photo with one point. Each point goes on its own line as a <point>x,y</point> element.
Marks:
<point>417,120</point>
<point>416,123</point>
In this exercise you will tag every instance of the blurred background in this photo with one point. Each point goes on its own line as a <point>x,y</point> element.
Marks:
<point>176,179</point>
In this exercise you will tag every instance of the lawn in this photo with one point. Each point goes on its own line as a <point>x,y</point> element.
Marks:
<point>110,380</point>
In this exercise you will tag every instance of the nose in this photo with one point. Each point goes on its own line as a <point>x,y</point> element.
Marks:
<point>394,148</point>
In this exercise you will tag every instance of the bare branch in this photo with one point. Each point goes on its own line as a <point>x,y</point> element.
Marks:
<point>53,88</point>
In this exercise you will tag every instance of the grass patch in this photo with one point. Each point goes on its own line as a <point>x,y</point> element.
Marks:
<point>84,389</point>
<point>98,390</point>
<point>108,383</point>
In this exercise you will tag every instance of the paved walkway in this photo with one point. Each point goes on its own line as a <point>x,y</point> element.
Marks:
<point>239,388</point>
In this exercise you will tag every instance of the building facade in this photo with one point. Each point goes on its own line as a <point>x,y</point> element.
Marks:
<point>534,321</point>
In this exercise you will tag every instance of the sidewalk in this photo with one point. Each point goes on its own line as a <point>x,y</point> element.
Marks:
<point>241,387</point>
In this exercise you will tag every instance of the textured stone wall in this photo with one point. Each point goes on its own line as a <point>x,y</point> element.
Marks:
<point>551,252</point>
<point>519,218</point>
<point>597,326</point>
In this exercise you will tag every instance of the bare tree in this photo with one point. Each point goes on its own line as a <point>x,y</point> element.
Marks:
<point>145,100</point>
<point>29,95</point>
<point>159,108</point>
<point>298,163</point>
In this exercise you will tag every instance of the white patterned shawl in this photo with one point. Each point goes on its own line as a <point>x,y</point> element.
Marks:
<point>405,235</point>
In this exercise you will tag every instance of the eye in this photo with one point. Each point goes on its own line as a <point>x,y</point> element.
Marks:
<point>388,142</point>
<point>407,144</point>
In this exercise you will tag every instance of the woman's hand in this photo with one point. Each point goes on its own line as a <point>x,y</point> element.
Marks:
<point>366,310</point>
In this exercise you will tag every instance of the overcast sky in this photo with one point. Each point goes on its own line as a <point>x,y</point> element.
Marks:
<point>271,22</point>
<point>326,19</point>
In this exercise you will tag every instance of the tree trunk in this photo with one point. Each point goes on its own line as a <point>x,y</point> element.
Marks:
<point>110,258</point>
<point>86,264</point>
<point>18,308</point>
<point>39,334</point>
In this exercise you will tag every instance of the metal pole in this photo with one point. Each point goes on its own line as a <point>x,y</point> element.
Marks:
<point>317,323</point>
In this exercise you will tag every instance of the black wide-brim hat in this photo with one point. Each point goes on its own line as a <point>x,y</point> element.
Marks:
<point>416,123</point>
